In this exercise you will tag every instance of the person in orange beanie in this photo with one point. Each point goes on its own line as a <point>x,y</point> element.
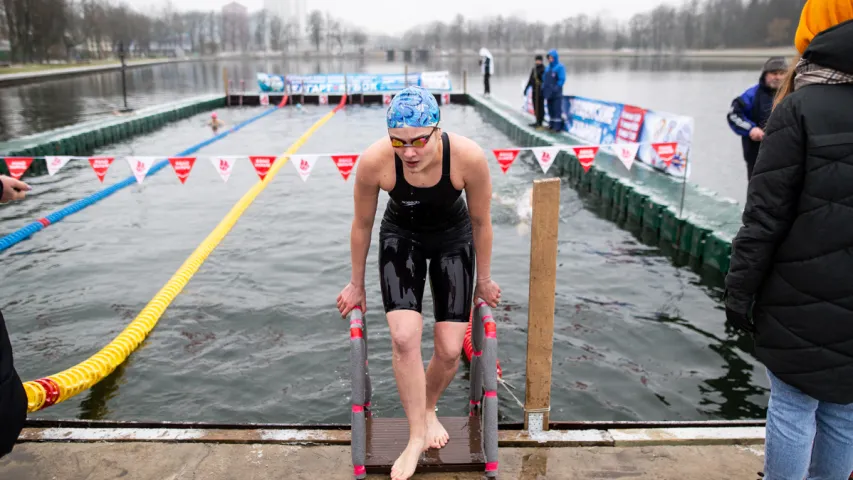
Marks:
<point>819,15</point>
<point>790,283</point>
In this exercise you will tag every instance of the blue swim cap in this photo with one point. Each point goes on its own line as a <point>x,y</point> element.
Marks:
<point>413,107</point>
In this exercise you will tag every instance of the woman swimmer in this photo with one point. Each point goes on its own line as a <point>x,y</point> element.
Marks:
<point>424,171</point>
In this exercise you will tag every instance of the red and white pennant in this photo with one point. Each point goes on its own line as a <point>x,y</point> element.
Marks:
<point>183,166</point>
<point>545,156</point>
<point>344,162</point>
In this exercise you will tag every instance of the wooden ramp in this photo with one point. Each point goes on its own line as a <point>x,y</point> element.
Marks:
<point>387,437</point>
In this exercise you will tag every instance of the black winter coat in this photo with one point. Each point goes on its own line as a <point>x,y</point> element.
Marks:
<point>793,256</point>
<point>13,397</point>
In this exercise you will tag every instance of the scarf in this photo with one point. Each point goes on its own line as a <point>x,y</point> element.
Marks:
<point>809,73</point>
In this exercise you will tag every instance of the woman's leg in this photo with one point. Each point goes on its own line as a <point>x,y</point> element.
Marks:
<point>402,273</point>
<point>832,456</point>
<point>451,275</point>
<point>790,432</point>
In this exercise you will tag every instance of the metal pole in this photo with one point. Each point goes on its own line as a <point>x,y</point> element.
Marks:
<point>123,71</point>
<point>465,81</point>
<point>406,76</point>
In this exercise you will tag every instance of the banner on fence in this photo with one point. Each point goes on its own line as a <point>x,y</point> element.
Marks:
<point>355,82</point>
<point>610,123</point>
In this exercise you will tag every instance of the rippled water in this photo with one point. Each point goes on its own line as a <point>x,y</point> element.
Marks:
<point>255,336</point>
<point>700,88</point>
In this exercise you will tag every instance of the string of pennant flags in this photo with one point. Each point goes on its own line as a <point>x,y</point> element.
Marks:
<point>345,162</point>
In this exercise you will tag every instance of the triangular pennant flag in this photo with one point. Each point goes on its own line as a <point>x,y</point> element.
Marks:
<point>586,155</point>
<point>304,164</point>
<point>54,164</point>
<point>140,166</point>
<point>182,166</point>
<point>506,157</point>
<point>665,151</point>
<point>100,166</point>
<point>345,164</point>
<point>262,164</point>
<point>626,152</point>
<point>223,165</point>
<point>18,165</point>
<point>545,156</point>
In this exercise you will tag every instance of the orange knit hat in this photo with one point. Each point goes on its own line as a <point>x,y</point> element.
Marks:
<point>817,16</point>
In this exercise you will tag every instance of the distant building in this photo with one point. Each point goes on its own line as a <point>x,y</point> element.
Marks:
<point>235,27</point>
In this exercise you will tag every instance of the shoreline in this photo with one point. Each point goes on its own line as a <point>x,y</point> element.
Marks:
<point>24,78</point>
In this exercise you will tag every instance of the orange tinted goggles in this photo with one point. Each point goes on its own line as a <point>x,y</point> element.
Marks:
<point>416,142</point>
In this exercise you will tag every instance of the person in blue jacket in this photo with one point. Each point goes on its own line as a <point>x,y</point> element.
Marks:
<point>749,112</point>
<point>552,90</point>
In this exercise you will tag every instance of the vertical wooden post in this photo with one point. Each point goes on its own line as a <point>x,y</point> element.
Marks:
<point>465,81</point>
<point>540,320</point>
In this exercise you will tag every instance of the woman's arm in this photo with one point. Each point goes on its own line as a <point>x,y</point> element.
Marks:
<point>365,197</point>
<point>771,206</point>
<point>478,191</point>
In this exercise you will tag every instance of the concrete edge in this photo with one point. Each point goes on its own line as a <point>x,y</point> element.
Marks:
<point>507,438</point>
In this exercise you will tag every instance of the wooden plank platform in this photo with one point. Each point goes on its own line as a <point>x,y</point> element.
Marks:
<point>387,437</point>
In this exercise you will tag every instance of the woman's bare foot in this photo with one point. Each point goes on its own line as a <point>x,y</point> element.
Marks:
<point>437,436</point>
<point>407,462</point>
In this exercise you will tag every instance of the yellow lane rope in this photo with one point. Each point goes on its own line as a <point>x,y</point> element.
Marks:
<point>57,388</point>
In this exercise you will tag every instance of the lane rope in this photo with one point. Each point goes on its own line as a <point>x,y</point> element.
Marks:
<point>57,388</point>
<point>31,229</point>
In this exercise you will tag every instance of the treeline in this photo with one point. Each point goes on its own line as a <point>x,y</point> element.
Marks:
<point>695,24</point>
<point>42,30</point>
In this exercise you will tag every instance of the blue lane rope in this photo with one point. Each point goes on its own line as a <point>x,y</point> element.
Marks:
<point>29,230</point>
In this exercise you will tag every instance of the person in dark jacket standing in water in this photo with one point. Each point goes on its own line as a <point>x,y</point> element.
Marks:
<point>749,112</point>
<point>13,397</point>
<point>552,90</point>
<point>534,83</point>
<point>791,276</point>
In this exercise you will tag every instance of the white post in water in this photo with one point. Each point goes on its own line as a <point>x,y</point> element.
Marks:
<point>543,285</point>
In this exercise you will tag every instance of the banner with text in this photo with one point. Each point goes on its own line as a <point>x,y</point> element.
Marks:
<point>610,123</point>
<point>355,82</point>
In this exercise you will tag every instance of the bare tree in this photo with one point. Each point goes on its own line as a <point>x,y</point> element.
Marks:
<point>276,32</point>
<point>315,28</point>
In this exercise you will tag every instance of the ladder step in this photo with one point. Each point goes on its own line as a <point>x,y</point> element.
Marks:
<point>387,437</point>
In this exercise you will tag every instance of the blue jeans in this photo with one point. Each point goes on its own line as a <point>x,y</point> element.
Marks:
<point>806,436</point>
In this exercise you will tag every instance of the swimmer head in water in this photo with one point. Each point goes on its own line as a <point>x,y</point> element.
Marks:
<point>412,121</point>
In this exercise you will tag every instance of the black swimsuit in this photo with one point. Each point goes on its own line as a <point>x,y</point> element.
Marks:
<point>420,224</point>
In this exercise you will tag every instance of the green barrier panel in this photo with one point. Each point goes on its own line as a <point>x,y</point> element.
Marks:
<point>607,190</point>
<point>98,138</point>
<point>635,205</point>
<point>669,227</point>
<point>66,147</point>
<point>621,201</point>
<point>697,242</point>
<point>717,253</point>
<point>586,180</point>
<point>652,215</point>
<point>595,182</point>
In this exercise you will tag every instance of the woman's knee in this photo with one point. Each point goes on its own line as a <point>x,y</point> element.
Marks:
<point>406,327</point>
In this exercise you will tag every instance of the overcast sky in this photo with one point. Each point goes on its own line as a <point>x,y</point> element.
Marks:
<point>374,16</point>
